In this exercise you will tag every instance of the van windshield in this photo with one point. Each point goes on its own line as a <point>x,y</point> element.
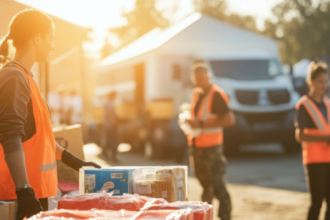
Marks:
<point>246,69</point>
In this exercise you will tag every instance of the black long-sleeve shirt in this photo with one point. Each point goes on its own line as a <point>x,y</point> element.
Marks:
<point>219,106</point>
<point>17,122</point>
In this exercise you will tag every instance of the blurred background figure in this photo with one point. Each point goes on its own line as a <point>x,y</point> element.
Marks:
<point>75,110</point>
<point>209,115</point>
<point>313,130</point>
<point>56,101</point>
<point>110,126</point>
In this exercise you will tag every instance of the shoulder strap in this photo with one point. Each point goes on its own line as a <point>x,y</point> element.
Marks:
<point>326,102</point>
<point>314,113</point>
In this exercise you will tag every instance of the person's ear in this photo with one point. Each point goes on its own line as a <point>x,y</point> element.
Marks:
<point>37,39</point>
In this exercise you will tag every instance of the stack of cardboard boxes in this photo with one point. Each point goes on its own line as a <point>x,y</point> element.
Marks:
<point>169,183</point>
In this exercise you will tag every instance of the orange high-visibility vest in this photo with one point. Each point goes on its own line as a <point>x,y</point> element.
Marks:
<point>40,153</point>
<point>316,152</point>
<point>209,137</point>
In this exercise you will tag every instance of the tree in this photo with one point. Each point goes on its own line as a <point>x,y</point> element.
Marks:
<point>214,8</point>
<point>302,28</point>
<point>140,21</point>
<point>247,22</point>
<point>218,8</point>
<point>107,49</point>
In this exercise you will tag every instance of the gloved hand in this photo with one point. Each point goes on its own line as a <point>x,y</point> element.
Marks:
<point>27,203</point>
<point>74,162</point>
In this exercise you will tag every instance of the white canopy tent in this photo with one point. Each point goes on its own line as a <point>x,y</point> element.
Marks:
<point>198,35</point>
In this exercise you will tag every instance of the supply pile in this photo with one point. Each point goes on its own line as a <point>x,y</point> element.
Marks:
<point>130,193</point>
<point>102,206</point>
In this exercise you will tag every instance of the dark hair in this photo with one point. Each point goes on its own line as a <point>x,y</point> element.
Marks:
<point>22,27</point>
<point>315,69</point>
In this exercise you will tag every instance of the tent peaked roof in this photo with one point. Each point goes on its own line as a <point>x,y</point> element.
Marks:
<point>197,35</point>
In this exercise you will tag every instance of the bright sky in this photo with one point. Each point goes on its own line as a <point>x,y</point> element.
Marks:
<point>102,14</point>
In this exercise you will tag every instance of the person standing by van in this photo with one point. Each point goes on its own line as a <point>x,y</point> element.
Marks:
<point>28,151</point>
<point>76,108</point>
<point>110,126</point>
<point>210,114</point>
<point>312,122</point>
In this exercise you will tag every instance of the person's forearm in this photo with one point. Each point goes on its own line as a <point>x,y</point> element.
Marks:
<point>301,136</point>
<point>59,152</point>
<point>15,159</point>
<point>313,138</point>
<point>225,121</point>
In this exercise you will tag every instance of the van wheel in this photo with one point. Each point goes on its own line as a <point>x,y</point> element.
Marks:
<point>290,146</point>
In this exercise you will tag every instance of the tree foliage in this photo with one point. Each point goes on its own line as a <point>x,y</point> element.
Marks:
<point>302,27</point>
<point>218,9</point>
<point>140,21</point>
<point>107,49</point>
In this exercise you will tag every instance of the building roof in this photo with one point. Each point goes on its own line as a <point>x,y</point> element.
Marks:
<point>198,35</point>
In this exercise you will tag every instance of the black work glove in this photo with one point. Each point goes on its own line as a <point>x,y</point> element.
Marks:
<point>76,163</point>
<point>27,203</point>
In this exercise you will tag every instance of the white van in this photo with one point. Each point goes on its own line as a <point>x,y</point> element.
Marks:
<point>262,98</point>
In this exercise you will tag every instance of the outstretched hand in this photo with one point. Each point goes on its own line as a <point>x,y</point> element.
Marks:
<point>76,163</point>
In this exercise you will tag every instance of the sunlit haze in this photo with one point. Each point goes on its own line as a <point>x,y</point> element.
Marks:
<point>102,14</point>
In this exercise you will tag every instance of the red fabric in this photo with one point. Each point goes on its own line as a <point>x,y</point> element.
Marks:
<point>83,215</point>
<point>202,211</point>
<point>111,215</point>
<point>83,202</point>
<point>166,215</point>
<point>66,187</point>
<point>106,202</point>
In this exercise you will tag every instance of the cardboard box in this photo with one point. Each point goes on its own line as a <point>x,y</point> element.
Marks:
<point>178,179</point>
<point>7,210</point>
<point>169,183</point>
<point>161,109</point>
<point>93,180</point>
<point>70,138</point>
<point>127,111</point>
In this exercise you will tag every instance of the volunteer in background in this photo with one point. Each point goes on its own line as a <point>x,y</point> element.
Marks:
<point>56,104</point>
<point>110,126</point>
<point>312,121</point>
<point>210,113</point>
<point>76,108</point>
<point>28,151</point>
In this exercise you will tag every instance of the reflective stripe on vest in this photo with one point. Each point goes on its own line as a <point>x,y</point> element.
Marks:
<point>210,136</point>
<point>316,152</point>
<point>315,114</point>
<point>40,153</point>
<point>207,116</point>
<point>47,167</point>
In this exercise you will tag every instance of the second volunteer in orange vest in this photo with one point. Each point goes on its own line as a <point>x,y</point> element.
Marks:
<point>28,151</point>
<point>312,123</point>
<point>210,113</point>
